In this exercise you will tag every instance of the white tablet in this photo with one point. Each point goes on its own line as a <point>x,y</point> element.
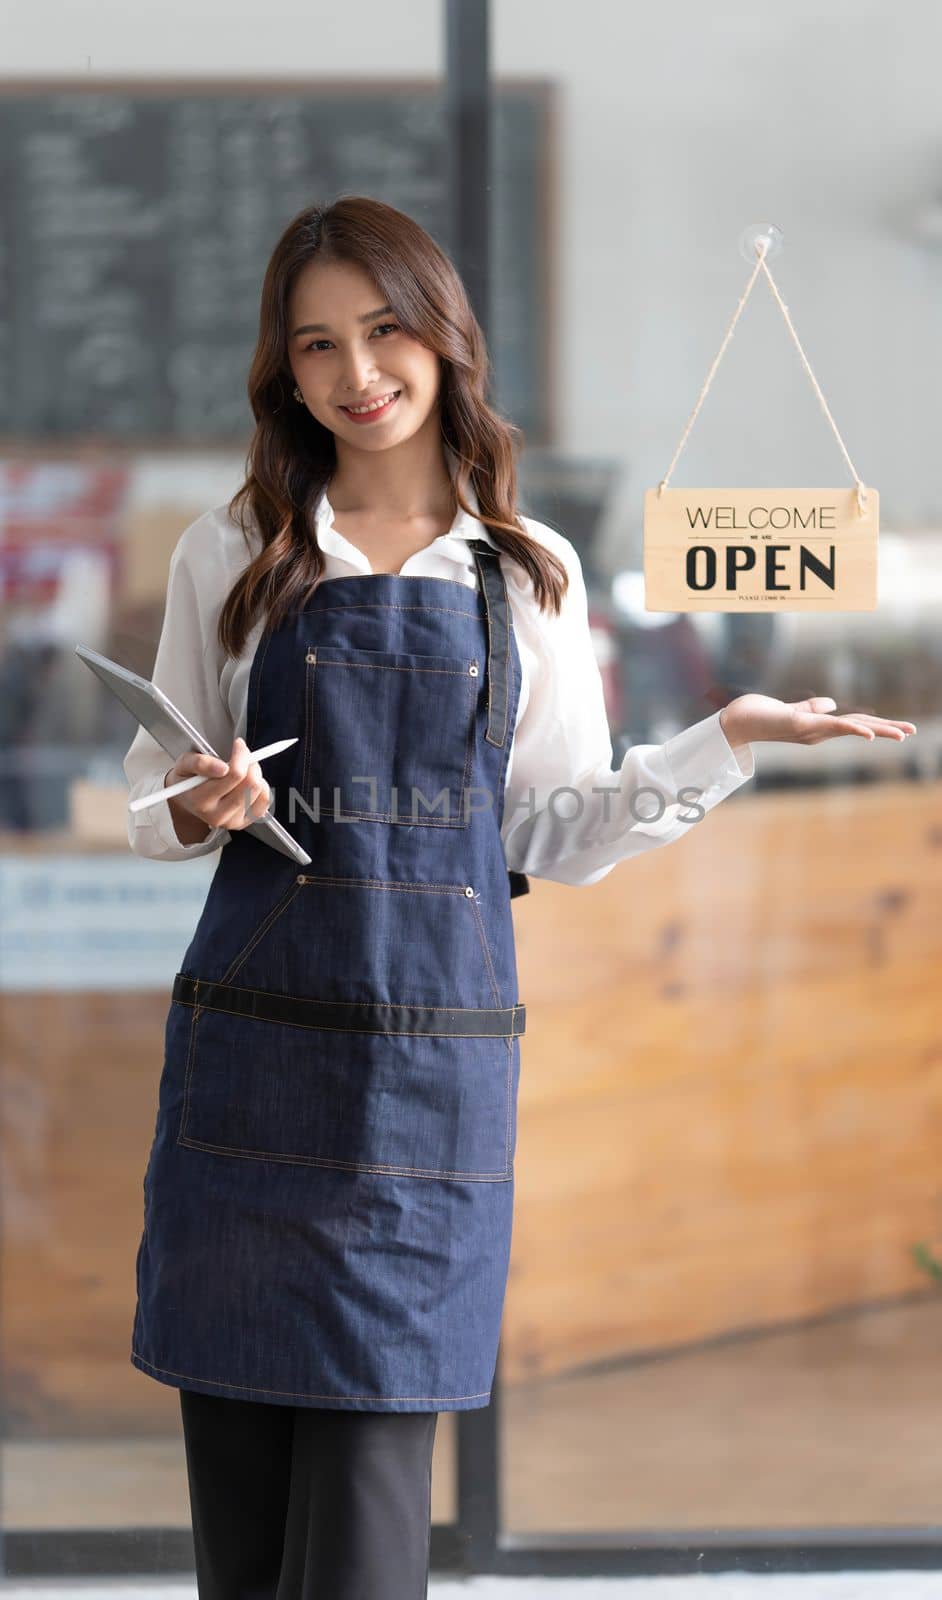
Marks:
<point>177,735</point>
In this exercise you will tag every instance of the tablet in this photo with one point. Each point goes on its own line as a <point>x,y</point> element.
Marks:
<point>176,734</point>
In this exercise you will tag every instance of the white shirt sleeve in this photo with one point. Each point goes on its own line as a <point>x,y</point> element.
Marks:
<point>556,824</point>
<point>186,668</point>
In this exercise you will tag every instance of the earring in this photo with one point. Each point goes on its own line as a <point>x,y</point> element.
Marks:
<point>298,395</point>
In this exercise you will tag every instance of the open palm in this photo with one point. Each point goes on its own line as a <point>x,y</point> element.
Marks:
<point>759,716</point>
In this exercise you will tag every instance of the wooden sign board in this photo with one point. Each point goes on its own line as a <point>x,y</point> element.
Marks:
<point>760,550</point>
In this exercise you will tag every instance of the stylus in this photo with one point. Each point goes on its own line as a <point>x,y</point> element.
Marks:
<point>191,783</point>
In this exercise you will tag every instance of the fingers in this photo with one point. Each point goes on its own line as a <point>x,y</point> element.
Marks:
<point>828,721</point>
<point>861,723</point>
<point>237,772</point>
<point>256,795</point>
<point>878,727</point>
<point>246,794</point>
<point>193,762</point>
<point>235,793</point>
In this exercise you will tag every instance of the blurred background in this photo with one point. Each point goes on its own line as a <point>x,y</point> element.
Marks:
<point>721,1336</point>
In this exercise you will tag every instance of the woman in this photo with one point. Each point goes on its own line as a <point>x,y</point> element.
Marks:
<point>328,1200</point>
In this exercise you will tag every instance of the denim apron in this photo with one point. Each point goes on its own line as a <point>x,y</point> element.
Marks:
<point>328,1200</point>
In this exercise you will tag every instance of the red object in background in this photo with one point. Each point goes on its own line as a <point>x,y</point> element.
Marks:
<point>50,507</point>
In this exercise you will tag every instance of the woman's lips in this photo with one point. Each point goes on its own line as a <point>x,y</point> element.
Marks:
<point>372,416</point>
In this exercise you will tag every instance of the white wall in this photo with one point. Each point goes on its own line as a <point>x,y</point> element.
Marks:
<point>679,123</point>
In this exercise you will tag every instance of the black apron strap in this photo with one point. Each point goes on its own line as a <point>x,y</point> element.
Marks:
<point>342,1016</point>
<point>494,590</point>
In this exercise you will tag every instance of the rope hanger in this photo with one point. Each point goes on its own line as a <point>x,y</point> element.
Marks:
<point>761,266</point>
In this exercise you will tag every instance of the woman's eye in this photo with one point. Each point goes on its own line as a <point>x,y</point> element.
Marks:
<point>377,329</point>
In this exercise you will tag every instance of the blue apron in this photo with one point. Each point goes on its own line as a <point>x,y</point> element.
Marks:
<point>328,1200</point>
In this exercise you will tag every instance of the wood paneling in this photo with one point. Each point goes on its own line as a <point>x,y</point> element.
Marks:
<point>731,1086</point>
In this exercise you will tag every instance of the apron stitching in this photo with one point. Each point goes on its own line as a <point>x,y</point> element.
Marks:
<point>387,816</point>
<point>399,577</point>
<point>510,1067</point>
<point>260,1388</point>
<point>506,628</point>
<point>382,1033</point>
<point>470,748</point>
<point>485,948</point>
<point>377,605</point>
<point>310,669</point>
<point>272,917</point>
<point>505,759</point>
<point>382,1169</point>
<point>189,1067</point>
<point>387,666</point>
<point>384,605</point>
<point>385,883</point>
<point>391,1005</point>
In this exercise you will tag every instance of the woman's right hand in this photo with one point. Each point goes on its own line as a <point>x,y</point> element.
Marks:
<point>234,795</point>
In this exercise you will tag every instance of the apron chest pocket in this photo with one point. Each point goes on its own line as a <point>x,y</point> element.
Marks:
<point>388,736</point>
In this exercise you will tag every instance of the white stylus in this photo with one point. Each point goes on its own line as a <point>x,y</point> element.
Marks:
<point>191,783</point>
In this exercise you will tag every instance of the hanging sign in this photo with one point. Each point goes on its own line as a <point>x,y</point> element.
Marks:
<point>760,550</point>
<point>738,549</point>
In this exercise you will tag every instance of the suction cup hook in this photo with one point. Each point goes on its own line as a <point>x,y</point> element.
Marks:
<point>756,235</point>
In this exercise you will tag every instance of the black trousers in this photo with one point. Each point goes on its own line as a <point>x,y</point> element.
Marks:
<point>303,1503</point>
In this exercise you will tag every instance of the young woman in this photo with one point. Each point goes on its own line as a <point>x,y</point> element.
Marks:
<point>329,1192</point>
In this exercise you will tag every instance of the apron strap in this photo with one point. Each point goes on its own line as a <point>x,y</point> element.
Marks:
<point>362,1016</point>
<point>494,590</point>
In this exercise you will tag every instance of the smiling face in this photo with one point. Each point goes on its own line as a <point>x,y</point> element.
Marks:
<point>347,349</point>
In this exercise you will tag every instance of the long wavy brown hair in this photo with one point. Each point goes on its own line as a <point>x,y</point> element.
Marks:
<point>292,456</point>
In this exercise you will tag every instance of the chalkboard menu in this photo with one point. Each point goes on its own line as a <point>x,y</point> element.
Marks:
<point>138,218</point>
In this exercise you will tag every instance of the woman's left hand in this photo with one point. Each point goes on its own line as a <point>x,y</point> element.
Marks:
<point>758,716</point>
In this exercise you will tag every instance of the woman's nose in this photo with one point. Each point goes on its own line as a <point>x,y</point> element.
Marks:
<point>359,372</point>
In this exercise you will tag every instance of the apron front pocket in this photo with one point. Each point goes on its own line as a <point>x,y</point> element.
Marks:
<point>361,1027</point>
<point>371,939</point>
<point>355,766</point>
<point>412,1105</point>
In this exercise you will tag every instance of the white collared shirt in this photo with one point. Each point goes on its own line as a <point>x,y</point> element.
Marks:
<point>561,741</point>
